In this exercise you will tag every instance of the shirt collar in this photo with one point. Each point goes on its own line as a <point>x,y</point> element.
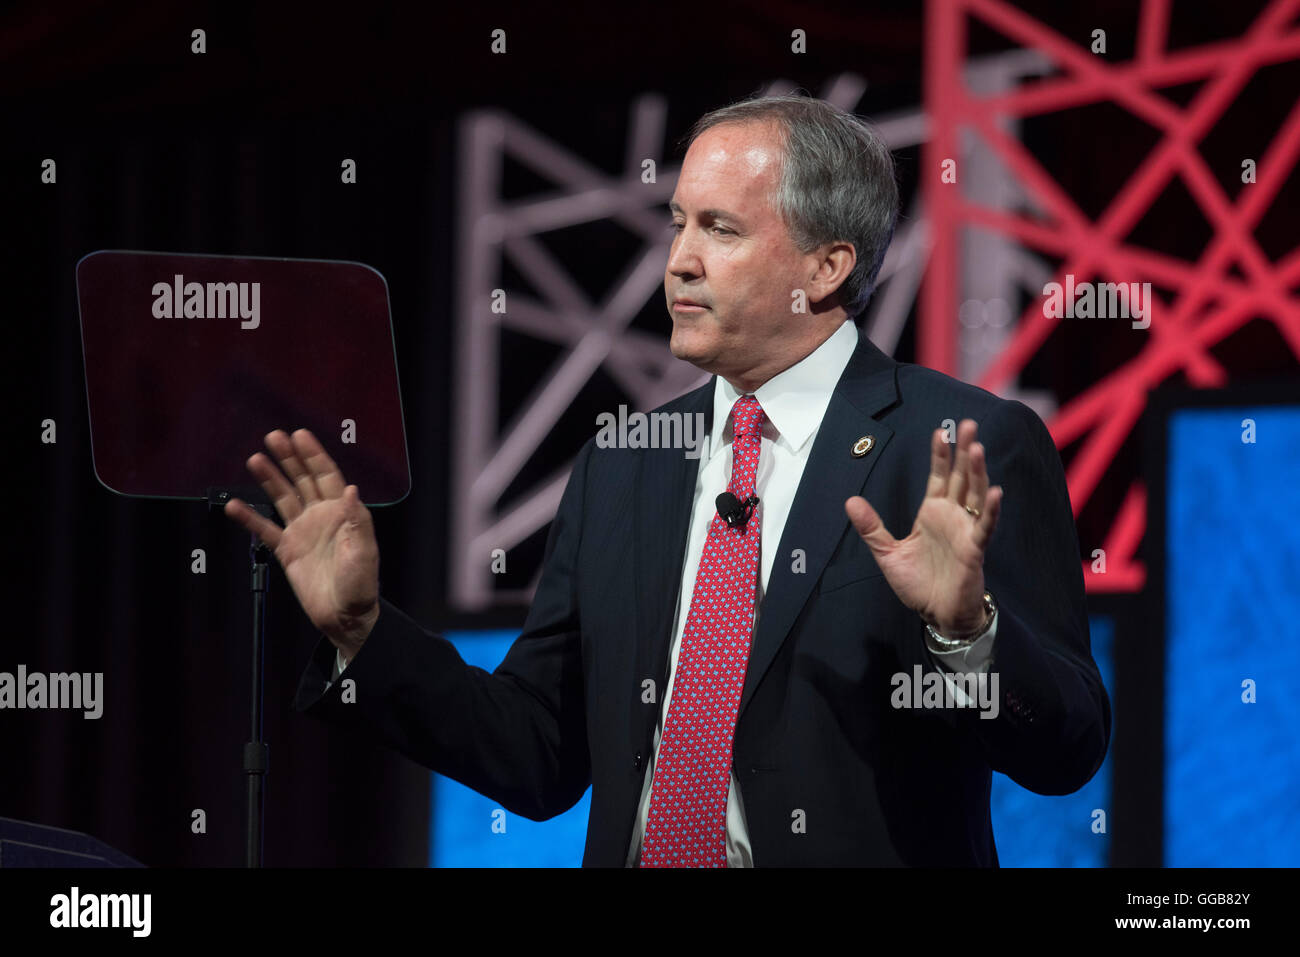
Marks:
<point>796,399</point>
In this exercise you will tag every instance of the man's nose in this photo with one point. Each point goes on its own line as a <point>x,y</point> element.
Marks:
<point>684,260</point>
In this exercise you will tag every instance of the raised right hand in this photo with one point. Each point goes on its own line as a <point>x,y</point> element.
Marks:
<point>327,547</point>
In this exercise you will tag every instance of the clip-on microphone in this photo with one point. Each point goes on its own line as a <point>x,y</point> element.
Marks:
<point>735,512</point>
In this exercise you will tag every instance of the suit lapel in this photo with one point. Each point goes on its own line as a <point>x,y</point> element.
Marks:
<point>664,498</point>
<point>817,520</point>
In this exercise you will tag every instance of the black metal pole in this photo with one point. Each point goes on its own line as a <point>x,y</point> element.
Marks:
<point>256,751</point>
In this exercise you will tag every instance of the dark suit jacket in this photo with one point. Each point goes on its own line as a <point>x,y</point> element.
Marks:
<point>816,730</point>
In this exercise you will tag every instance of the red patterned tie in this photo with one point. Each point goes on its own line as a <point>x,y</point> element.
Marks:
<point>687,821</point>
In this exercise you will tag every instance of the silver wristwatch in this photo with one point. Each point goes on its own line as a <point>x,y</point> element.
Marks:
<point>952,644</point>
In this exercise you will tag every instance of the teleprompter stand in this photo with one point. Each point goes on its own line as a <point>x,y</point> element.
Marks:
<point>257,753</point>
<point>191,360</point>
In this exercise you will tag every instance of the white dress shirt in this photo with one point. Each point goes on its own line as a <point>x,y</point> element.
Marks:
<point>794,402</point>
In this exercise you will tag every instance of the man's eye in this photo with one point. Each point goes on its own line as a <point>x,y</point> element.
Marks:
<point>720,230</point>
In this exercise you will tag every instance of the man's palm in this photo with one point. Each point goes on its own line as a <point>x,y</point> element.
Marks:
<point>938,569</point>
<point>329,564</point>
<point>327,547</point>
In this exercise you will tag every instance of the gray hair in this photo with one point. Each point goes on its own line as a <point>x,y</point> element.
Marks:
<point>836,184</point>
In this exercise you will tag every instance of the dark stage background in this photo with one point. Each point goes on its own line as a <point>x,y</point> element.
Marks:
<point>237,151</point>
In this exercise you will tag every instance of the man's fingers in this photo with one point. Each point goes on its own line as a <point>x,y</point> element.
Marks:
<point>959,480</point>
<point>988,519</point>
<point>280,443</point>
<point>937,486</point>
<point>259,525</point>
<point>326,475</point>
<point>276,486</point>
<point>979,477</point>
<point>868,524</point>
<point>357,513</point>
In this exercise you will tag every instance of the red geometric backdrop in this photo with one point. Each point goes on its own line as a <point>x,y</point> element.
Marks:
<point>1198,302</point>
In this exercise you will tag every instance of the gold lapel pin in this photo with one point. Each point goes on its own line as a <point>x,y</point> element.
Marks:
<point>863,445</point>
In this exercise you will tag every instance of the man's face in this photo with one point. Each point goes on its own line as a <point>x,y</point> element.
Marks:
<point>732,255</point>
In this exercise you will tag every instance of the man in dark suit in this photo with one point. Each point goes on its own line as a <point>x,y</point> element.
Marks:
<point>772,679</point>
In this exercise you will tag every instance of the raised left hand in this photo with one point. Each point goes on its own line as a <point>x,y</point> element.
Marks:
<point>938,569</point>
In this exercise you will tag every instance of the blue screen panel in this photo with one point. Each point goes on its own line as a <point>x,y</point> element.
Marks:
<point>469,830</point>
<point>1037,830</point>
<point>1232,768</point>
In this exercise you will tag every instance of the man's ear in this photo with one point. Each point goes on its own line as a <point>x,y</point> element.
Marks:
<point>835,263</point>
